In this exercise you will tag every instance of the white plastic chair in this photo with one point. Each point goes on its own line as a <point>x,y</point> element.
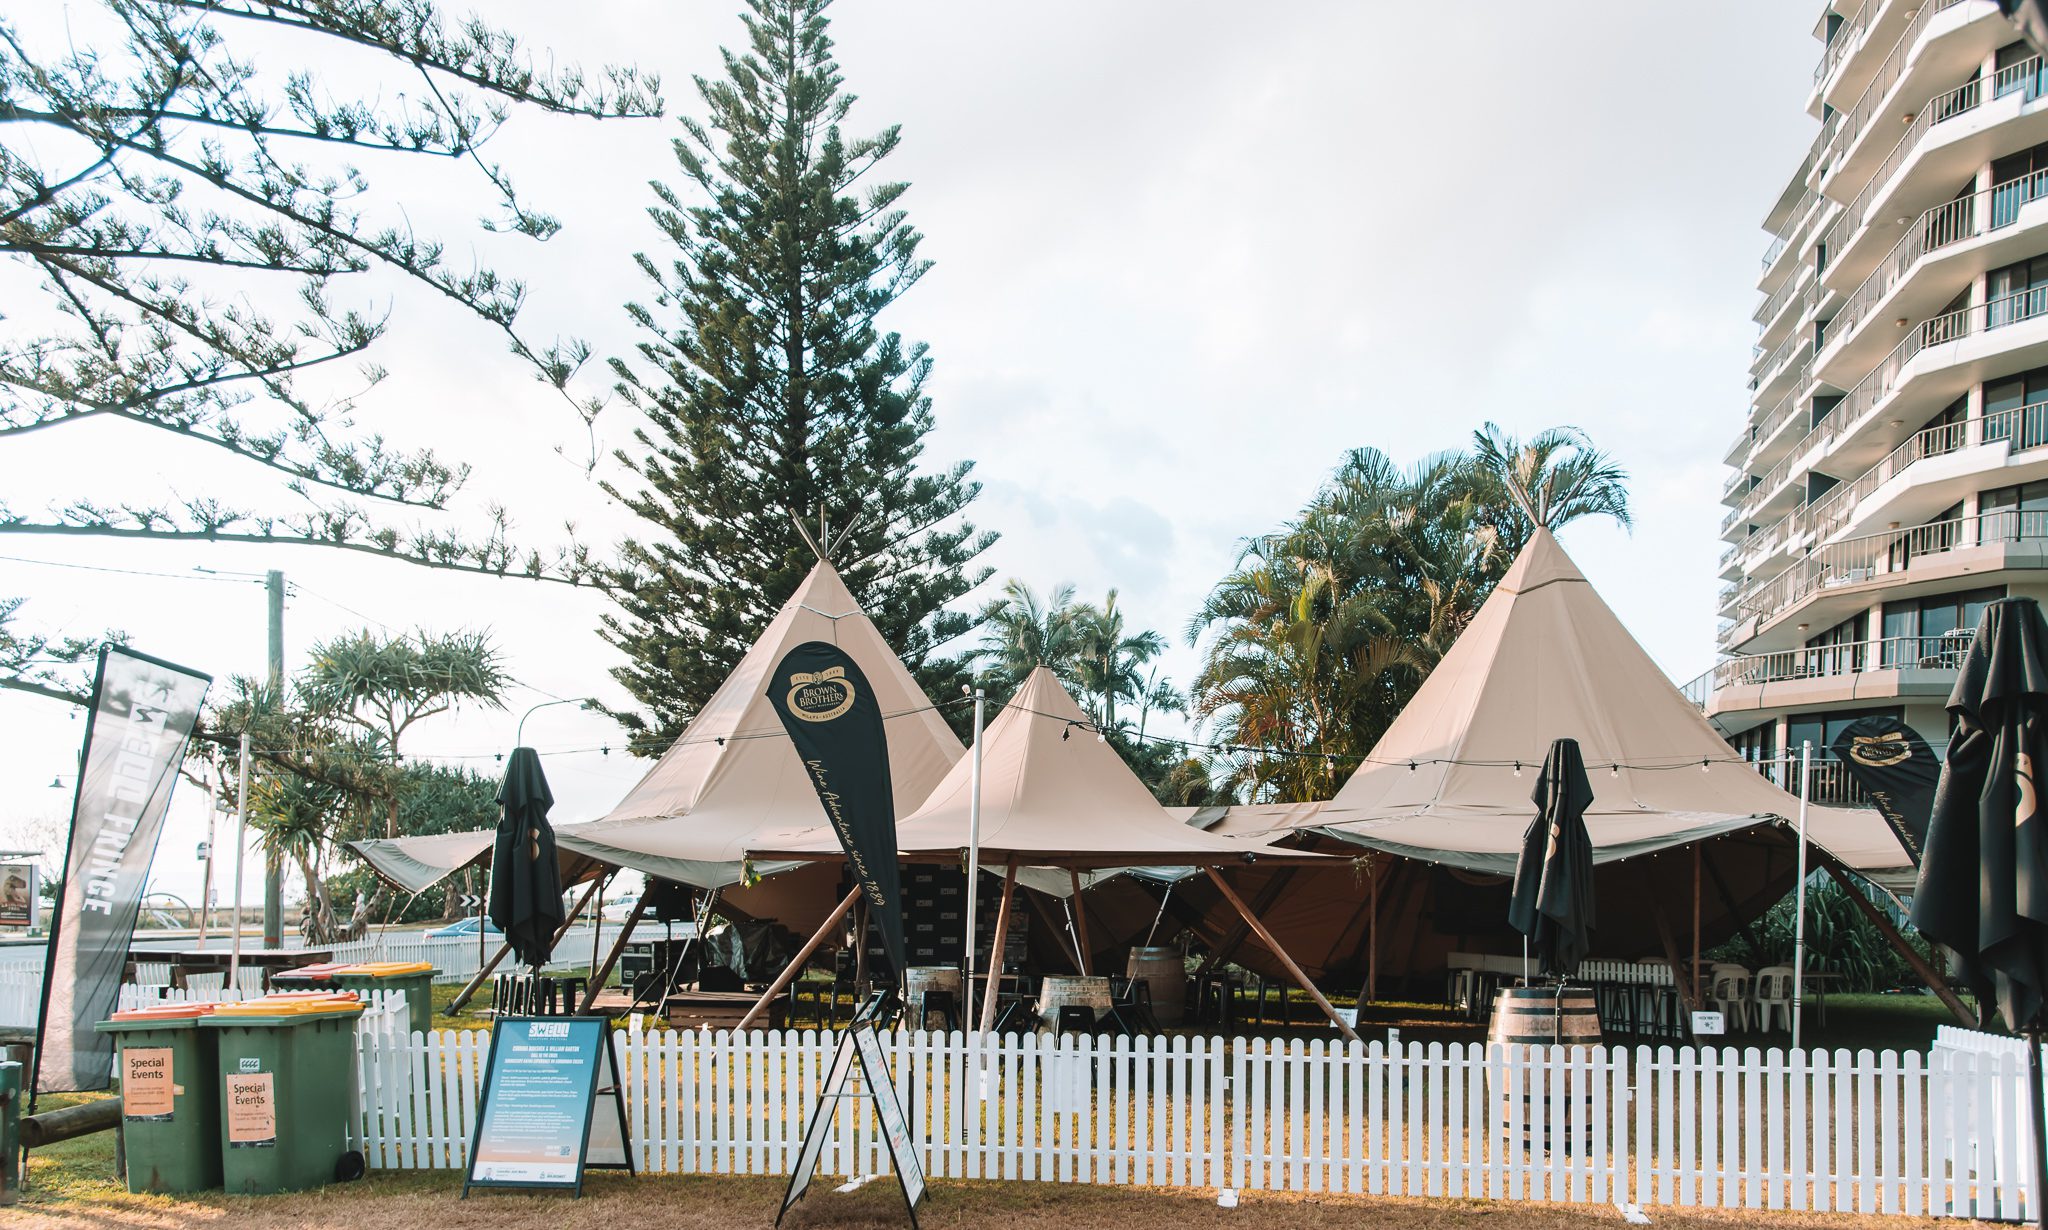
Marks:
<point>1731,995</point>
<point>1774,996</point>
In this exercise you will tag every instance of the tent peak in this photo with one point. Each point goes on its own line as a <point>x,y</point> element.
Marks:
<point>1542,562</point>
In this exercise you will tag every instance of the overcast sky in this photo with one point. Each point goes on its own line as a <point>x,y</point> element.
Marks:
<point>1187,253</point>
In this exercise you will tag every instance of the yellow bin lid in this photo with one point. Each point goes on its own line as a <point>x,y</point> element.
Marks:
<point>310,1003</point>
<point>387,969</point>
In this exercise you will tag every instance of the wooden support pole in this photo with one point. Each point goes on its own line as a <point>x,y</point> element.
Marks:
<point>1081,946</point>
<point>1686,980</point>
<point>995,956</point>
<point>1372,953</point>
<point>462,996</point>
<point>1935,982</point>
<point>1228,948</point>
<point>796,963</point>
<point>611,958</point>
<point>1273,946</point>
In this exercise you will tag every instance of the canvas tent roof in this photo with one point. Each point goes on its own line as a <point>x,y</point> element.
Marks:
<point>733,774</point>
<point>1545,658</point>
<point>1052,794</point>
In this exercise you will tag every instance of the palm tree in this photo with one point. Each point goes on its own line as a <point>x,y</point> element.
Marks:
<point>1020,633</point>
<point>1554,479</point>
<point>1106,659</point>
<point>297,818</point>
<point>1322,632</point>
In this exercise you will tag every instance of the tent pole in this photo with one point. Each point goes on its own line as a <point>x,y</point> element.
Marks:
<point>1086,949</point>
<point>995,956</point>
<point>796,963</point>
<point>1934,980</point>
<point>1266,937</point>
<point>973,856</point>
<point>604,971</point>
<point>469,989</point>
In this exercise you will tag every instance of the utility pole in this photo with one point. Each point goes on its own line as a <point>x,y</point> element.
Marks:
<point>273,871</point>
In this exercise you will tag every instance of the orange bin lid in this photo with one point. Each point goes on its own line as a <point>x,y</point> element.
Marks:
<point>293,1003</point>
<point>387,969</point>
<point>165,1012</point>
<point>326,969</point>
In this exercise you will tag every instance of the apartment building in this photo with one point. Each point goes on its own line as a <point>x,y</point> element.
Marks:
<point>1891,476</point>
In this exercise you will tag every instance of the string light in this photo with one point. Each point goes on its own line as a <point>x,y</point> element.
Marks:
<point>1518,768</point>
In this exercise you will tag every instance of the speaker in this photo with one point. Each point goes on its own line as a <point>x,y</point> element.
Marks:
<point>667,901</point>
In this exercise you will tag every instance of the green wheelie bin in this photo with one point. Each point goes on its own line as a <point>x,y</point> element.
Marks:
<point>415,978</point>
<point>287,1089</point>
<point>169,1106</point>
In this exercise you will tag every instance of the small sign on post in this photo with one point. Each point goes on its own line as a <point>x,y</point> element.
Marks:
<point>537,1124</point>
<point>860,1046</point>
<point>1705,1024</point>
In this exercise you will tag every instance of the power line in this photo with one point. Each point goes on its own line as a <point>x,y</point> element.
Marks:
<point>131,572</point>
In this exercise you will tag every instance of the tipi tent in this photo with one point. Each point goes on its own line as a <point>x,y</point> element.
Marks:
<point>731,776</point>
<point>1054,795</point>
<point>734,775</point>
<point>1692,844</point>
<point>1546,658</point>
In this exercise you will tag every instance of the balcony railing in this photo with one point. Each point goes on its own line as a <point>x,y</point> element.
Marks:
<point>1775,301</point>
<point>1847,36</point>
<point>1856,118</point>
<point>1835,661</point>
<point>1767,367</point>
<point>1855,561</point>
<point>1950,222</point>
<point>2025,78</point>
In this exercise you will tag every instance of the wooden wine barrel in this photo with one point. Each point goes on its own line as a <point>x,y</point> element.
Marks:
<point>1547,1017</point>
<point>1165,974</point>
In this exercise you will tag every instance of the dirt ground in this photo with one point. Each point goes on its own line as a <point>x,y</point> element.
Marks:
<point>612,1202</point>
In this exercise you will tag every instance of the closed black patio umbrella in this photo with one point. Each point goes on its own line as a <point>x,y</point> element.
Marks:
<point>1553,893</point>
<point>1983,886</point>
<point>526,880</point>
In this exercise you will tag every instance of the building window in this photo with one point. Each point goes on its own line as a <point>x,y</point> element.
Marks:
<point>1831,784</point>
<point>2015,180</point>
<point>2016,409</point>
<point>2018,71</point>
<point>1934,631</point>
<point>2015,293</point>
<point>1839,650</point>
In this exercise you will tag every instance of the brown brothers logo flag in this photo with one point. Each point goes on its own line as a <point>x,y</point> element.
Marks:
<point>831,715</point>
<point>1897,770</point>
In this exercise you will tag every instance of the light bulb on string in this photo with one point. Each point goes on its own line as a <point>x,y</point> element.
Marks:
<point>1518,768</point>
<point>1614,770</point>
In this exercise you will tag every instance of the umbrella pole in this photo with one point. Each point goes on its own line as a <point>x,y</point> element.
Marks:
<point>796,963</point>
<point>462,996</point>
<point>2037,1204</point>
<point>995,956</point>
<point>1273,945</point>
<point>1372,952</point>
<point>1799,894</point>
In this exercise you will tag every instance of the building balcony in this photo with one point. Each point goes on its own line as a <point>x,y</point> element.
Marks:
<point>1830,676</point>
<point>1851,59</point>
<point>1951,136</point>
<point>1944,41</point>
<point>1787,309</point>
<point>1838,579</point>
<point>1944,250</point>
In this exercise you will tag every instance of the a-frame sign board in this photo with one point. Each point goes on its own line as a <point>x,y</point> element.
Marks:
<point>860,1046</point>
<point>538,1124</point>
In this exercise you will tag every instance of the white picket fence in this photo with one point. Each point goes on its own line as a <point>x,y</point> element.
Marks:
<point>1716,1127</point>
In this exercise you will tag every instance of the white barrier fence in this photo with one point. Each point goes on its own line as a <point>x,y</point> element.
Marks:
<point>454,958</point>
<point>1716,1127</point>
